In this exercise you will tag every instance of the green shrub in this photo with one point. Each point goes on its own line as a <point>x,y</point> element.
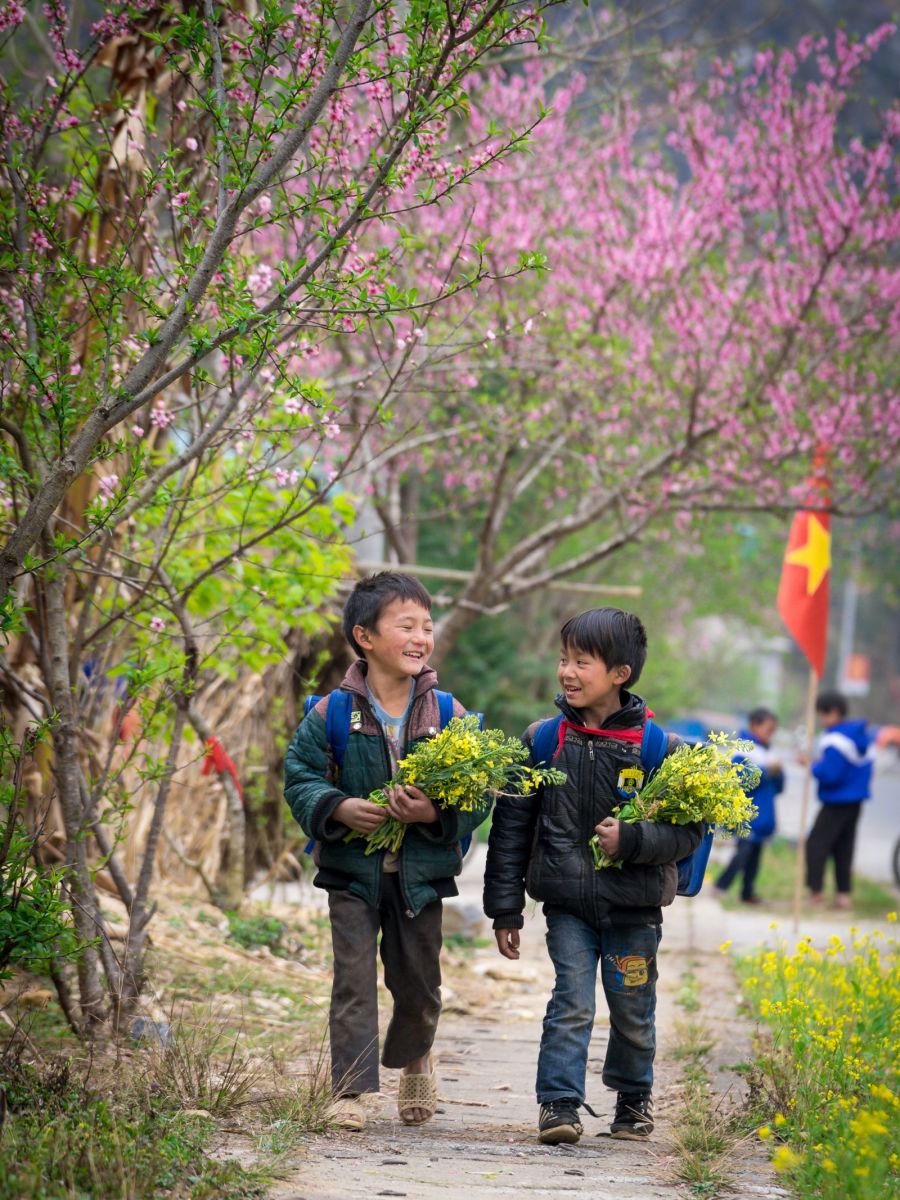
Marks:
<point>35,928</point>
<point>61,1139</point>
<point>251,932</point>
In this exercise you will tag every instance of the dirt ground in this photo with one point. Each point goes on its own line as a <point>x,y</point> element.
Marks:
<point>482,1142</point>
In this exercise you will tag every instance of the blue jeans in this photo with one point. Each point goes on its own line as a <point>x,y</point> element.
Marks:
<point>626,955</point>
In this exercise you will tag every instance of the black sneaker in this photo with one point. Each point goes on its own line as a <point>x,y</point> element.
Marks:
<point>634,1116</point>
<point>559,1122</point>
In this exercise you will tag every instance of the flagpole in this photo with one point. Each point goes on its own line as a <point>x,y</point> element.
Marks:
<point>804,800</point>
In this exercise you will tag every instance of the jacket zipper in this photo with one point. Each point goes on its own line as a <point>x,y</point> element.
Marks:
<point>400,861</point>
<point>379,889</point>
<point>588,881</point>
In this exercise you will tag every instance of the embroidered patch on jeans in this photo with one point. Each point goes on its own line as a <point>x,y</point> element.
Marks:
<point>633,968</point>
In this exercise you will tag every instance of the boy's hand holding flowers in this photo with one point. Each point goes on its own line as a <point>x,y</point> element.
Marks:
<point>409,804</point>
<point>608,836</point>
<point>696,783</point>
<point>462,767</point>
<point>362,816</point>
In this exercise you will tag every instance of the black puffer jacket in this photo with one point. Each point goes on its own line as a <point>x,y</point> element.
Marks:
<point>541,842</point>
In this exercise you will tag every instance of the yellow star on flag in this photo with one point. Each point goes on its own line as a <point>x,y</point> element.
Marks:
<point>815,555</point>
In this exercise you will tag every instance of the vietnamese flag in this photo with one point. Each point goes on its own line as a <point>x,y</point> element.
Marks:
<point>803,592</point>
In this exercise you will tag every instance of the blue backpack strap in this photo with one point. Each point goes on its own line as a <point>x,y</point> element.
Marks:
<point>445,707</point>
<point>545,741</point>
<point>654,745</point>
<point>337,730</point>
<point>337,723</point>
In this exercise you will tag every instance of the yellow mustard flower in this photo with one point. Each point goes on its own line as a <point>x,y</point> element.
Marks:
<point>785,1159</point>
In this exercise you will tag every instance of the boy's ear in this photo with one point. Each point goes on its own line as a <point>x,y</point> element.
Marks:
<point>362,636</point>
<point>622,674</point>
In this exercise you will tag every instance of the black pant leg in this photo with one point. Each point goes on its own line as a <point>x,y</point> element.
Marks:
<point>736,866</point>
<point>411,953</point>
<point>751,870</point>
<point>353,1014</point>
<point>844,848</point>
<point>819,845</point>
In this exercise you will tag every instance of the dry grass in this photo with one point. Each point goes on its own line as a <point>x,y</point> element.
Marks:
<point>202,1066</point>
<point>706,1137</point>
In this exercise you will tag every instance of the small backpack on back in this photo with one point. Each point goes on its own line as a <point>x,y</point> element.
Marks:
<point>654,743</point>
<point>337,731</point>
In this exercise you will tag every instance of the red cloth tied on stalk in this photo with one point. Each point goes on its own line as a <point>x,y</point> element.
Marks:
<point>217,760</point>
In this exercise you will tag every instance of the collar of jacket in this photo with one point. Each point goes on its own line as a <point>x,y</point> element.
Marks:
<point>631,715</point>
<point>424,718</point>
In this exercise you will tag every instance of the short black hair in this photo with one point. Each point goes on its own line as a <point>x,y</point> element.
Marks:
<point>372,595</point>
<point>832,702</point>
<point>758,715</point>
<point>618,637</point>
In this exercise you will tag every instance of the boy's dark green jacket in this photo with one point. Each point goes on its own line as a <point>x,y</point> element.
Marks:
<point>430,855</point>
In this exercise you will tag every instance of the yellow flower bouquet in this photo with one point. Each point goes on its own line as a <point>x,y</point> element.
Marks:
<point>695,783</point>
<point>459,768</point>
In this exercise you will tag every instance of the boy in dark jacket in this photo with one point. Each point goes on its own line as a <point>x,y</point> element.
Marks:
<point>843,772</point>
<point>387,621</point>
<point>748,852</point>
<point>610,918</point>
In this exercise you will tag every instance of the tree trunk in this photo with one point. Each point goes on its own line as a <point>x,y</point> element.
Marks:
<point>449,628</point>
<point>142,912</point>
<point>84,901</point>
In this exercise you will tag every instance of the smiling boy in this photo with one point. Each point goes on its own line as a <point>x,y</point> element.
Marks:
<point>387,621</point>
<point>611,918</point>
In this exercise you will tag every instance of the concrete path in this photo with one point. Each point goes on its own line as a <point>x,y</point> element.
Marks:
<point>482,1145</point>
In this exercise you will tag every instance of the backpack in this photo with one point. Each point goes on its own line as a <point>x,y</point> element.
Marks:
<point>654,744</point>
<point>337,732</point>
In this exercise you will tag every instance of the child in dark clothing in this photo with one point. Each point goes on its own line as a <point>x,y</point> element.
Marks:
<point>748,851</point>
<point>387,620</point>
<point>843,772</point>
<point>611,918</point>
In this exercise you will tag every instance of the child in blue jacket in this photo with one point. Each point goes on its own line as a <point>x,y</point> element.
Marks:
<point>748,851</point>
<point>843,772</point>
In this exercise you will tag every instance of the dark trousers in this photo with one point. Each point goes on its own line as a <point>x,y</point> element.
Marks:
<point>747,857</point>
<point>410,952</point>
<point>833,835</point>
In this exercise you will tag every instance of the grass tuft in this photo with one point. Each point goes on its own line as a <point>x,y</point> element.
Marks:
<point>65,1136</point>
<point>202,1066</point>
<point>706,1135</point>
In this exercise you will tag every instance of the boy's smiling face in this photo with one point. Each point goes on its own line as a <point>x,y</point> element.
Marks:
<point>402,640</point>
<point>588,683</point>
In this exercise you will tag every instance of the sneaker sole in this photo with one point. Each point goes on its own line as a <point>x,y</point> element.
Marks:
<point>630,1135</point>
<point>560,1133</point>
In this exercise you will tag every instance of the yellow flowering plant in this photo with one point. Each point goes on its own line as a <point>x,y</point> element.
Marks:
<point>462,767</point>
<point>695,783</point>
<point>827,1064</point>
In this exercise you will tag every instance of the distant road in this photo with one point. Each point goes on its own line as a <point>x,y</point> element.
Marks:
<point>879,825</point>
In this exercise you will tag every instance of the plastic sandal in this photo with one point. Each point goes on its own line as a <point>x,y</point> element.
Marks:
<point>417,1091</point>
<point>348,1113</point>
